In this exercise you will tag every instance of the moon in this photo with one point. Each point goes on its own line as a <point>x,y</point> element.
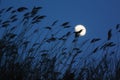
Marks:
<point>80,27</point>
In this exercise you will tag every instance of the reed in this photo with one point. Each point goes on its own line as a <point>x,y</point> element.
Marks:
<point>30,52</point>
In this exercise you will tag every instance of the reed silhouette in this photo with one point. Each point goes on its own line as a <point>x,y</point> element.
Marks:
<point>77,34</point>
<point>28,52</point>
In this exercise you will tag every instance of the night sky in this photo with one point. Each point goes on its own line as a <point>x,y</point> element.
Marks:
<point>96,16</point>
<point>100,17</point>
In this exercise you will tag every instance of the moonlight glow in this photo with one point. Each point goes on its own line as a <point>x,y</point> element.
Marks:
<point>80,27</point>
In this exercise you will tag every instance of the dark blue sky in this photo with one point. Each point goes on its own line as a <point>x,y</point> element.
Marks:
<point>97,15</point>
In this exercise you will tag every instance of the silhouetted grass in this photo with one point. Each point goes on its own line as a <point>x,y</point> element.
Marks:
<point>29,52</point>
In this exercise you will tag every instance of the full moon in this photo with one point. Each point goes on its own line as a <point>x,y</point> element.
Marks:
<point>82,28</point>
